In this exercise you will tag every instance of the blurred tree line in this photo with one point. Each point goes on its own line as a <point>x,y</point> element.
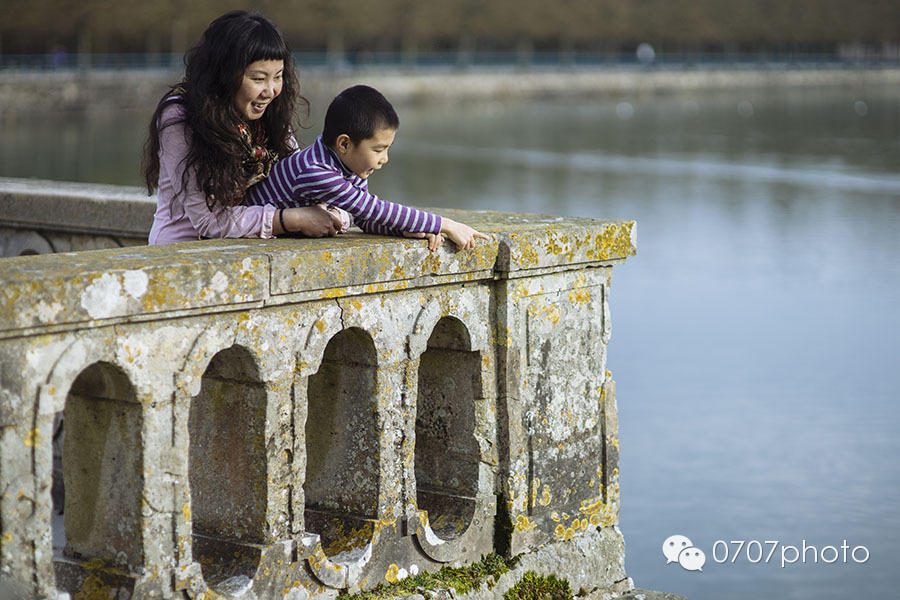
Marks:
<point>113,26</point>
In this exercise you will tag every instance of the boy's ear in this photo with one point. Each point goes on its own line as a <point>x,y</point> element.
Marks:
<point>343,143</point>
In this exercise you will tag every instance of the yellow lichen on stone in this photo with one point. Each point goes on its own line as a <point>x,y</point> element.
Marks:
<point>545,496</point>
<point>564,533</point>
<point>614,242</point>
<point>432,263</point>
<point>93,589</point>
<point>356,538</point>
<point>528,256</point>
<point>552,247</point>
<point>523,524</point>
<point>580,296</point>
<point>535,485</point>
<point>391,574</point>
<point>598,512</point>
<point>33,437</point>
<point>590,506</point>
<point>550,312</point>
<point>129,355</point>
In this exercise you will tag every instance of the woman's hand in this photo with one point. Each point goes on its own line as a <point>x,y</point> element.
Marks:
<point>461,234</point>
<point>308,221</point>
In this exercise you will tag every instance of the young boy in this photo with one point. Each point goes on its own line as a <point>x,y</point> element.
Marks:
<point>360,126</point>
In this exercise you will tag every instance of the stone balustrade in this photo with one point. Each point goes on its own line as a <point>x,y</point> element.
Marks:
<point>287,419</point>
<point>43,217</point>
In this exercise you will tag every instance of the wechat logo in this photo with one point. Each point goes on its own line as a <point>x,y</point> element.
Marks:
<point>678,548</point>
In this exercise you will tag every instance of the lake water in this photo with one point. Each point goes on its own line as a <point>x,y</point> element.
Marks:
<point>756,335</point>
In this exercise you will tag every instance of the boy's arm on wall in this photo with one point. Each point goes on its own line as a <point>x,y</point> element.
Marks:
<point>390,218</point>
<point>376,228</point>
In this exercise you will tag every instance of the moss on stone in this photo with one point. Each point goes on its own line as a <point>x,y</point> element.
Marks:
<point>461,579</point>
<point>539,587</point>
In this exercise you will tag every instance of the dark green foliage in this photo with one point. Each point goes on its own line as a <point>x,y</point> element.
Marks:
<point>539,587</point>
<point>462,579</point>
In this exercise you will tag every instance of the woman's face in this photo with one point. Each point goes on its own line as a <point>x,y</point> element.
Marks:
<point>260,84</point>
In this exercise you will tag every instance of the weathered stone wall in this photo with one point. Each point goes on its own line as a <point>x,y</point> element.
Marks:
<point>291,418</point>
<point>43,217</point>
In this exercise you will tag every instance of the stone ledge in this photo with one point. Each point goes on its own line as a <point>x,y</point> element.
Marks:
<point>126,283</point>
<point>76,207</point>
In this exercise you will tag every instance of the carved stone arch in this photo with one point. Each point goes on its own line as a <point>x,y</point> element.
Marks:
<point>272,362</point>
<point>77,356</point>
<point>342,481</point>
<point>228,466</point>
<point>226,388</point>
<point>452,514</point>
<point>425,321</point>
<point>476,330</point>
<point>326,325</point>
<point>91,409</point>
<point>102,476</point>
<point>207,344</point>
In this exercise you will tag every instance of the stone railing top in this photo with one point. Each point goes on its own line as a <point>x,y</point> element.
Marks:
<point>70,206</point>
<point>71,289</point>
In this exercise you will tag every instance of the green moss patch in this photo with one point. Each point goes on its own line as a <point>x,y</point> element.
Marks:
<point>538,587</point>
<point>462,579</point>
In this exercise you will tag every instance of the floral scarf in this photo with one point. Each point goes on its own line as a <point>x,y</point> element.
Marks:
<point>260,159</point>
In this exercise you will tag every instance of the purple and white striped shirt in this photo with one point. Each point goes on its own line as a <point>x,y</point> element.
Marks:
<point>316,175</point>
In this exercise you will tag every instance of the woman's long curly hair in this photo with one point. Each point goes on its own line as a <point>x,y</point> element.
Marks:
<point>214,71</point>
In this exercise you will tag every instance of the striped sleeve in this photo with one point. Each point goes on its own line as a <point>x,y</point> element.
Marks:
<point>312,183</point>
<point>308,177</point>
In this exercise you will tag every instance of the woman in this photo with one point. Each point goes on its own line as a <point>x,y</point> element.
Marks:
<point>220,131</point>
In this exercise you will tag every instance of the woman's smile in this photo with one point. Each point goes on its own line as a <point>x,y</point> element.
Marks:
<point>260,85</point>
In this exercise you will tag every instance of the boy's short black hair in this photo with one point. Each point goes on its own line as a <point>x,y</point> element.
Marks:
<point>358,111</point>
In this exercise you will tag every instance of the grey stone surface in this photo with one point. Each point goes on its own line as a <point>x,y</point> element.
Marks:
<point>96,209</point>
<point>244,417</point>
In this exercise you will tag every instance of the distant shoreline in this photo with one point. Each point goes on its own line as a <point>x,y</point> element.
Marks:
<point>24,93</point>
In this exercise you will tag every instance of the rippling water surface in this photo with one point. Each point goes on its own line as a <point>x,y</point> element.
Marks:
<point>756,335</point>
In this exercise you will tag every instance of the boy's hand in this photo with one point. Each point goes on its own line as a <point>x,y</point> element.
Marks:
<point>343,217</point>
<point>434,239</point>
<point>461,234</point>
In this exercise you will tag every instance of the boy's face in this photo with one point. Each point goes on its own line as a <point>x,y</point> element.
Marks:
<point>369,154</point>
